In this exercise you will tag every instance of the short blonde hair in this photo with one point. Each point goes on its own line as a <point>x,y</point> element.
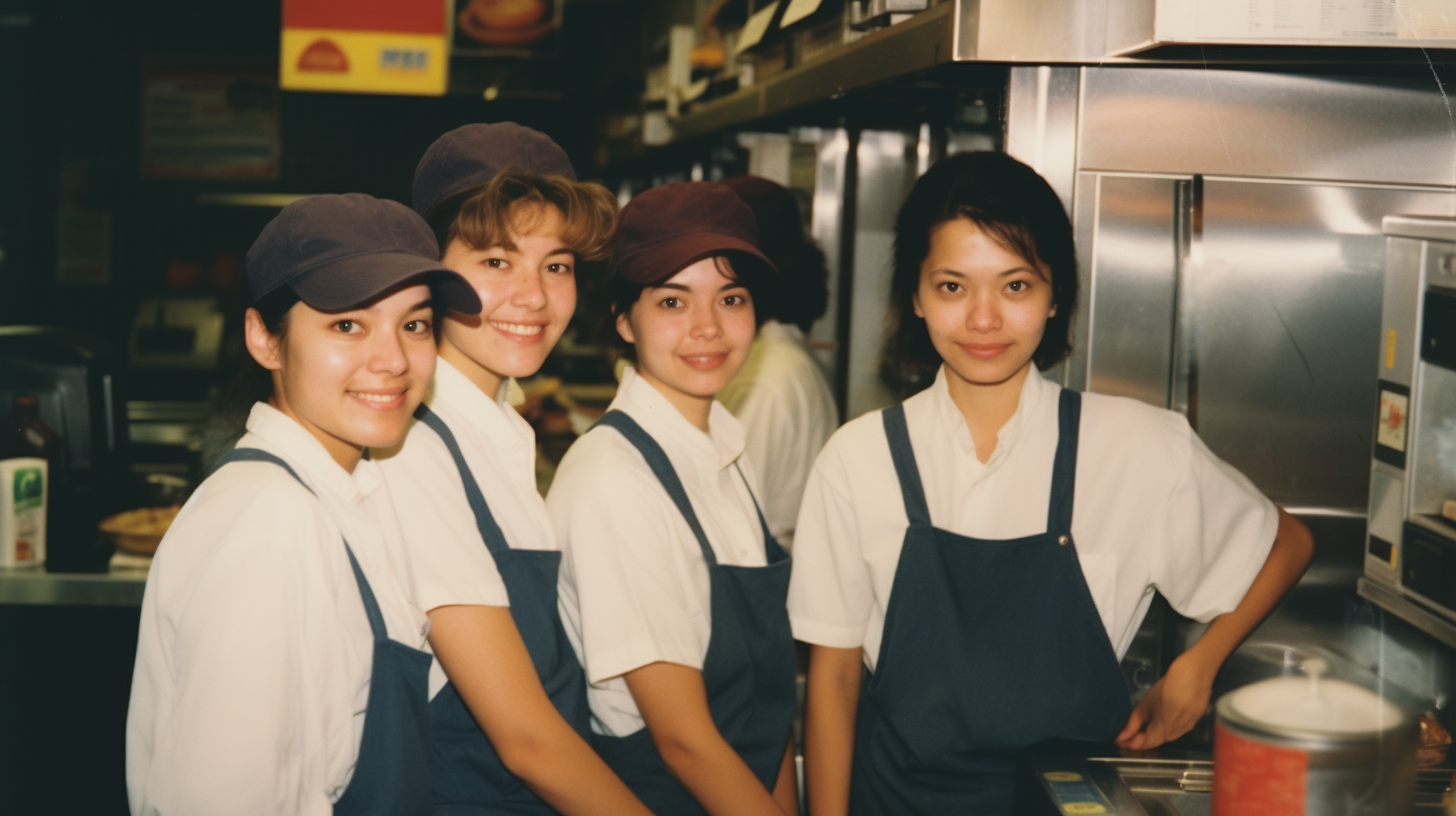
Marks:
<point>514,202</point>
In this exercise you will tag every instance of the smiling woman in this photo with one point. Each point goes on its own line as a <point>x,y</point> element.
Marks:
<point>281,664</point>
<point>673,586</point>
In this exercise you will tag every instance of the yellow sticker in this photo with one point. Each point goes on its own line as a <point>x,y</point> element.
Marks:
<point>1390,348</point>
<point>1083,807</point>
<point>1062,776</point>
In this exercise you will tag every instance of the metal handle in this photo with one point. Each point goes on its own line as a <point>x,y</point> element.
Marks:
<point>1188,232</point>
<point>1196,781</point>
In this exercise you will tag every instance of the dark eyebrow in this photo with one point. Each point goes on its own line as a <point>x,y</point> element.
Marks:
<point>733,284</point>
<point>665,285</point>
<point>562,251</point>
<point>424,304</point>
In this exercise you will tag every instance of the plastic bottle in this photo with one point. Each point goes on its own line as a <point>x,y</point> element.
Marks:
<point>25,486</point>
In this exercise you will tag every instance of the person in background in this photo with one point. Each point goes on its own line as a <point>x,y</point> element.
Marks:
<point>971,563</point>
<point>281,662</point>
<point>508,703</point>
<point>673,586</point>
<point>781,394</point>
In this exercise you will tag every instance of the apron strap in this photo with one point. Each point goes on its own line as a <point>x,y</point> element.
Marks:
<point>1064,467</point>
<point>662,468</point>
<point>490,531</point>
<point>898,435</point>
<point>371,605</point>
<point>768,536</point>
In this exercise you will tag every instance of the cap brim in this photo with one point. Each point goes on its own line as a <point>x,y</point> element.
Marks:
<point>659,262</point>
<point>349,283</point>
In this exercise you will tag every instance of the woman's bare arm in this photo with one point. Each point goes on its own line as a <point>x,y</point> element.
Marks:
<point>674,704</point>
<point>483,655</point>
<point>830,705</point>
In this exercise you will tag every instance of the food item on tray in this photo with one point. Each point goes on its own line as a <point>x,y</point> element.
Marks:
<point>141,530</point>
<point>1435,742</point>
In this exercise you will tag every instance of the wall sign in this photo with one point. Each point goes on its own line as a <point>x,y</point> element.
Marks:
<point>366,46</point>
<point>202,121</point>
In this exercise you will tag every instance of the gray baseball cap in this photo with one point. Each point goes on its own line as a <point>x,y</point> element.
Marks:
<point>475,154</point>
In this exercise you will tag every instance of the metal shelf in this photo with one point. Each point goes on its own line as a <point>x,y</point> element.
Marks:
<point>924,41</point>
<point>1390,599</point>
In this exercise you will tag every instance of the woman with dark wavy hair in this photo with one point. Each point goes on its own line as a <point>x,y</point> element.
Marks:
<point>959,609</point>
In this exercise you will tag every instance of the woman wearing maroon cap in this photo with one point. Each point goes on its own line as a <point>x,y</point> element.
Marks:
<point>509,718</point>
<point>673,586</point>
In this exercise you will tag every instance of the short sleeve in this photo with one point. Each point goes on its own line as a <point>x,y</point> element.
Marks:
<point>628,563</point>
<point>830,592</point>
<point>449,562</point>
<point>1219,529</point>
<point>241,650</point>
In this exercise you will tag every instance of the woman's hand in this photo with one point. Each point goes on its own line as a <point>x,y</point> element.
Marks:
<point>1171,707</point>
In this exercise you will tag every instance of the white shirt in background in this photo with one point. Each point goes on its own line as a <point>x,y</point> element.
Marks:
<point>451,564</point>
<point>1153,508</point>
<point>254,655</point>
<point>634,585</point>
<point>787,409</point>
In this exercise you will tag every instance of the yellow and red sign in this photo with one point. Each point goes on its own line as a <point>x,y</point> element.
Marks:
<point>366,46</point>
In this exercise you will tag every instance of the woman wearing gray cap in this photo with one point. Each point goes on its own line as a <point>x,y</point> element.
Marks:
<point>281,663</point>
<point>673,585</point>
<point>509,716</point>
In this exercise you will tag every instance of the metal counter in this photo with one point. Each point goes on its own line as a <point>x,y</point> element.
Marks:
<point>32,586</point>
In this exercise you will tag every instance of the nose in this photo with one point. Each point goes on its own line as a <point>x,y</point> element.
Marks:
<point>529,293</point>
<point>706,324</point>
<point>387,355</point>
<point>985,312</point>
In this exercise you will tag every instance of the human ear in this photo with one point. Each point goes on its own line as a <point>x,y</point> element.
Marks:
<point>1053,312</point>
<point>624,328</point>
<point>915,304</point>
<point>261,343</point>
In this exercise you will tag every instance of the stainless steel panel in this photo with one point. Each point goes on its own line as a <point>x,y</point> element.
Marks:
<point>1287,332</point>
<point>1041,123</point>
<point>1130,309</point>
<point>887,163</point>
<point>1400,311</point>
<point>1395,128</point>
<point>1432,447</point>
<point>826,221</point>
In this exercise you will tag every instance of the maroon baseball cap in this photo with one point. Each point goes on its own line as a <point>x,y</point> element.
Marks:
<point>666,228</point>
<point>475,154</point>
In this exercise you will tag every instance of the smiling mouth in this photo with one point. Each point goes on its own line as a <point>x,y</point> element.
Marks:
<point>522,330</point>
<point>383,402</point>
<point>705,362</point>
<point>985,351</point>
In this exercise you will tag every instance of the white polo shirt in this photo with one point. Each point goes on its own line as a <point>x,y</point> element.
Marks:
<point>451,563</point>
<point>634,585</point>
<point>787,409</point>
<point>254,655</point>
<point>1154,508</point>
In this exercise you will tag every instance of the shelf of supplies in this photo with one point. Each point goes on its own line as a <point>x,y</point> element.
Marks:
<point>924,41</point>
<point>35,586</point>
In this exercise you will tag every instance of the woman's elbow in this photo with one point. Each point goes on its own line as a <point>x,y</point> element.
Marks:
<point>527,756</point>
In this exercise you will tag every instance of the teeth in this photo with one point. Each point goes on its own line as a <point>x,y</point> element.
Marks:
<point>376,397</point>
<point>517,328</point>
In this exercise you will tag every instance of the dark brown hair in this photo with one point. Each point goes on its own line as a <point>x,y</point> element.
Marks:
<point>1016,208</point>
<point>513,202</point>
<point>621,293</point>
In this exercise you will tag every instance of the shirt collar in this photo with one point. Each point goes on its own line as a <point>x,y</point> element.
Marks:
<point>295,445</point>
<point>495,417</point>
<point>723,443</point>
<point>786,331</point>
<point>1032,390</point>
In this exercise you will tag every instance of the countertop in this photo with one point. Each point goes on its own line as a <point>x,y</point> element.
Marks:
<point>121,586</point>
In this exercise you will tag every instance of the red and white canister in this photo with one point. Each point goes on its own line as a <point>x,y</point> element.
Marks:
<point>1308,746</point>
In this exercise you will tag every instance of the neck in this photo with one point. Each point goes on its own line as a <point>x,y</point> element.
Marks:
<point>986,406</point>
<point>346,454</point>
<point>694,409</point>
<point>484,379</point>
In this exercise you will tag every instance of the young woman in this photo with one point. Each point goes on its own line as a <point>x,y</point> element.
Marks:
<point>509,715</point>
<point>281,665</point>
<point>673,586</point>
<point>940,546</point>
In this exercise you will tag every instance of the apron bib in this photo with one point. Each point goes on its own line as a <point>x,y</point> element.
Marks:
<point>748,671</point>
<point>989,646</point>
<point>469,776</point>
<point>392,774</point>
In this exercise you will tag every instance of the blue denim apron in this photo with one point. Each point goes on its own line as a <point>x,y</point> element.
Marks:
<point>392,774</point>
<point>469,775</point>
<point>989,646</point>
<point>748,671</point>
